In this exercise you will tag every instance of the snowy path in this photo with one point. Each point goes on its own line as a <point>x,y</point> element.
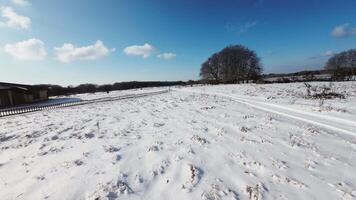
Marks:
<point>329,122</point>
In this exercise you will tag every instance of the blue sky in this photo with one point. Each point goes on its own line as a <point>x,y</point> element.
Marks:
<point>104,41</point>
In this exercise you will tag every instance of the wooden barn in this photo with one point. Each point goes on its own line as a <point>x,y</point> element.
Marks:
<point>17,94</point>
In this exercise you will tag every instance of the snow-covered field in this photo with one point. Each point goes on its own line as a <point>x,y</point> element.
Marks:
<point>97,95</point>
<point>207,142</point>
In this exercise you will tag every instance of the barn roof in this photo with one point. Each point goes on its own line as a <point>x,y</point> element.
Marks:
<point>21,87</point>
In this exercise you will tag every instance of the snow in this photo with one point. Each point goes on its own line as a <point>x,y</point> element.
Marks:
<point>91,96</point>
<point>206,142</point>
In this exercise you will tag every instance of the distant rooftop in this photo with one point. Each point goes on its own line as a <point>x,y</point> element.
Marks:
<point>7,86</point>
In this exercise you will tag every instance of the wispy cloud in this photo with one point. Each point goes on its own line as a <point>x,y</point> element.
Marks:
<point>31,49</point>
<point>248,26</point>
<point>325,55</point>
<point>329,53</point>
<point>12,19</point>
<point>343,30</point>
<point>144,51</point>
<point>241,28</point>
<point>166,56</point>
<point>20,2</point>
<point>69,52</point>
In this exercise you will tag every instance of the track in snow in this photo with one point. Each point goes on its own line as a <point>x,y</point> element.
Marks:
<point>332,123</point>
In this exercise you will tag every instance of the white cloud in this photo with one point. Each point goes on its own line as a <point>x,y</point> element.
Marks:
<point>329,53</point>
<point>248,26</point>
<point>145,50</point>
<point>31,49</point>
<point>12,19</point>
<point>343,30</point>
<point>21,2</point>
<point>166,56</point>
<point>68,52</point>
<point>322,56</point>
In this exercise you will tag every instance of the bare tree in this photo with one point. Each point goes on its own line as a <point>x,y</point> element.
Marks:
<point>343,65</point>
<point>232,64</point>
<point>211,69</point>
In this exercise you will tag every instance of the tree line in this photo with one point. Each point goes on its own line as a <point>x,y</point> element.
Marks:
<point>57,90</point>
<point>236,63</point>
<point>342,66</point>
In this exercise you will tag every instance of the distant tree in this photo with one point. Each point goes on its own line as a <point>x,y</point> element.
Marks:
<point>307,75</point>
<point>87,88</point>
<point>343,65</point>
<point>211,69</point>
<point>232,64</point>
<point>56,90</point>
<point>105,88</point>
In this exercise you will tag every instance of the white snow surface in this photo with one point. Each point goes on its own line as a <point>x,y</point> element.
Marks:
<point>90,96</point>
<point>204,142</point>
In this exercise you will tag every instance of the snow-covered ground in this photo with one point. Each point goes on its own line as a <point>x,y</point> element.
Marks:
<point>116,93</point>
<point>207,142</point>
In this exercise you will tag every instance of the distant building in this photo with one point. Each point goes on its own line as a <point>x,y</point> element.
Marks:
<point>17,94</point>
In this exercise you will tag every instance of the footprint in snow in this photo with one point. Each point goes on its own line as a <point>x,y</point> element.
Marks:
<point>208,108</point>
<point>139,179</point>
<point>256,192</point>
<point>244,129</point>
<point>153,148</point>
<point>219,191</point>
<point>51,150</point>
<point>288,180</point>
<point>89,135</point>
<point>111,190</point>
<point>40,178</point>
<point>248,116</point>
<point>118,157</point>
<point>157,125</point>
<point>200,140</point>
<point>161,168</point>
<point>111,149</point>
<point>156,147</point>
<point>279,164</point>
<point>221,132</point>
<point>192,176</point>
